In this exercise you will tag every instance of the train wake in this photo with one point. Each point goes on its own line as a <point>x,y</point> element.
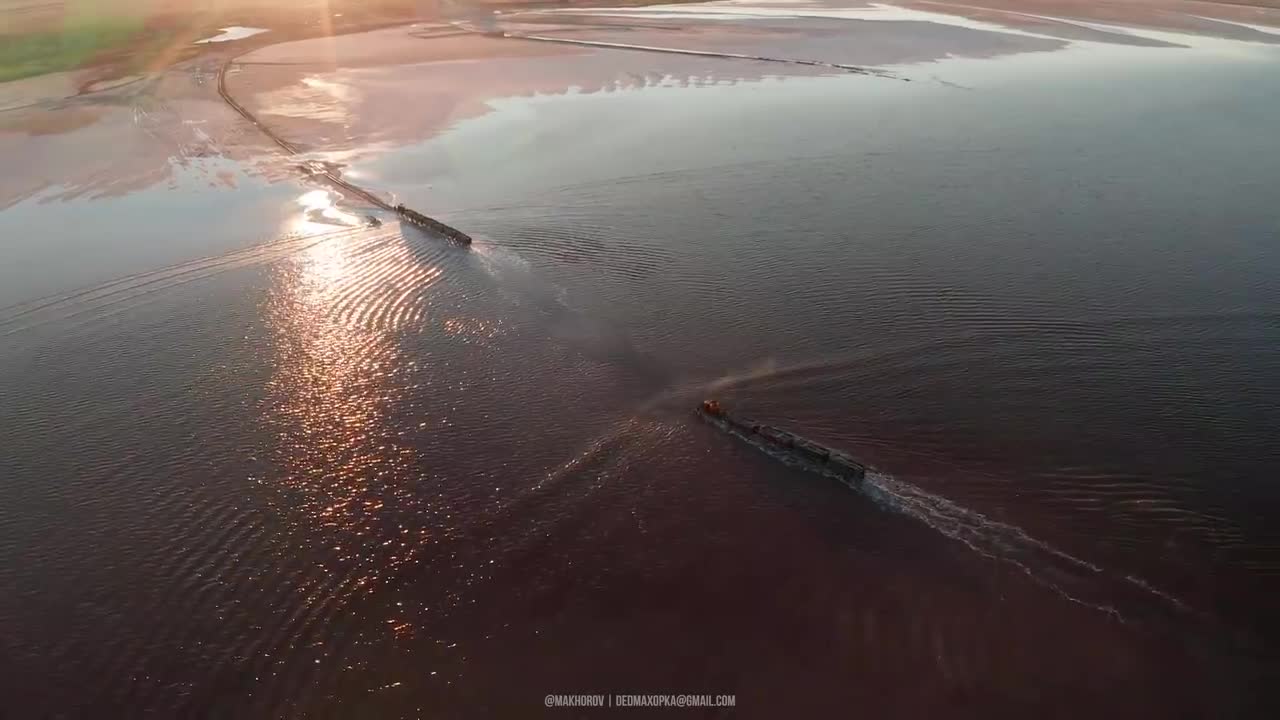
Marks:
<point>1124,597</point>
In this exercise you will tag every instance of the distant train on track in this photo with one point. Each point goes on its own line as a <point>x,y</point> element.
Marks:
<point>824,460</point>
<point>413,217</point>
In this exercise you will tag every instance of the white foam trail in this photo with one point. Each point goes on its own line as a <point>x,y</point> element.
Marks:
<point>990,538</point>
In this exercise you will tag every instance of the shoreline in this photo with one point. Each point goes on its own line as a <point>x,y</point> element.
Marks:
<point>318,170</point>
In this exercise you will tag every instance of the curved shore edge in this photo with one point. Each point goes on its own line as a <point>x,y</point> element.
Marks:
<point>318,170</point>
<point>855,69</point>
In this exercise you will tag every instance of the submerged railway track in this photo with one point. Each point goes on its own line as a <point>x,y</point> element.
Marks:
<point>321,171</point>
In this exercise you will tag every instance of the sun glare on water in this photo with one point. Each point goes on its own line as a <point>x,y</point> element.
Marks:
<point>320,214</point>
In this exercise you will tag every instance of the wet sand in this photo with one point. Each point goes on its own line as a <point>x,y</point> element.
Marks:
<point>126,138</point>
<point>444,80</point>
<point>344,95</point>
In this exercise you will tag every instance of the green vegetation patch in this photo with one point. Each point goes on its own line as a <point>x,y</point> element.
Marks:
<point>45,52</point>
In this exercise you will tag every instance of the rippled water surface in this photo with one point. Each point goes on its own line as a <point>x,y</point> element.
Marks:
<point>360,472</point>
